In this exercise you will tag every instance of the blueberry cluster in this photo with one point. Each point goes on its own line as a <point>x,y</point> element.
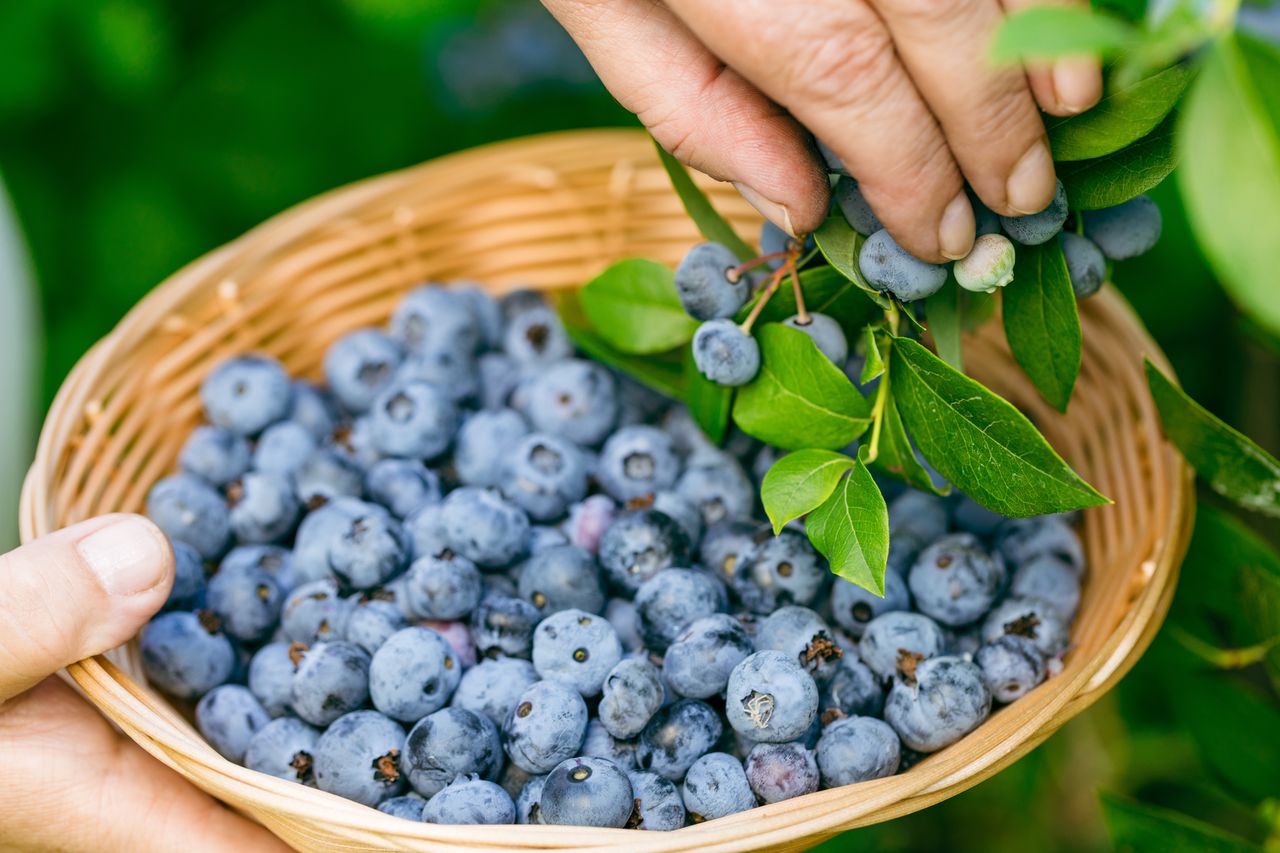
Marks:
<point>474,578</point>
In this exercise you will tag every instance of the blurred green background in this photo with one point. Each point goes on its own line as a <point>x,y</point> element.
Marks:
<point>136,135</point>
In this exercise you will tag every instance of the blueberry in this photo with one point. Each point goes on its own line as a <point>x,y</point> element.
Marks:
<point>331,680</point>
<point>246,394</point>
<point>486,310</point>
<point>598,743</point>
<point>228,717</point>
<point>632,693</point>
<point>574,399</point>
<point>785,569</point>
<point>955,581</point>
<point>728,548</point>
<point>325,476</point>
<point>528,807</point>
<point>271,676</point>
<point>988,266</point>
<point>1020,540</point>
<point>1011,665</point>
<point>493,687</point>
<point>443,588</point>
<point>657,800</point>
<point>185,654</point>
<point>543,475</point>
<point>358,757</point>
<point>503,624</point>
<point>708,287</point>
<point>697,664</point>
<point>826,333</point>
<point>282,448</point>
<point>802,634</point>
<point>918,516</point>
<point>371,549</point>
<point>541,538</point>
<point>672,599</point>
<point>425,529</point>
<point>638,545</point>
<point>857,749</point>
<point>284,748</point>
<point>1036,228</point>
<point>412,674</point>
<point>188,577</point>
<point>586,792</point>
<point>770,698</point>
<point>638,403</point>
<point>372,621</point>
<point>262,507</point>
<point>448,743</point>
<point>896,637</point>
<point>499,375</point>
<point>945,700</point>
<point>314,611</point>
<point>432,318</point>
<point>853,691</point>
<point>891,268</point>
<point>637,462</point>
<point>719,489</point>
<point>312,408</point>
<point>562,577</point>
<point>360,366</point>
<point>985,220</point>
<point>454,375</point>
<point>676,736</point>
<point>536,338</point>
<point>484,527</point>
<point>781,771</point>
<point>215,454</point>
<point>857,212</point>
<point>247,601</point>
<point>413,420</point>
<point>355,442</point>
<point>408,807</point>
<point>189,510</point>
<point>682,512</point>
<point>576,648</point>
<point>1033,618</point>
<point>1126,230</point>
<point>470,801</point>
<point>622,615</point>
<point>1050,579</point>
<point>716,786</point>
<point>853,606</point>
<point>1085,264</point>
<point>971,517</point>
<point>546,727</point>
<point>402,485</point>
<point>725,354</point>
<point>482,444</point>
<point>830,159</point>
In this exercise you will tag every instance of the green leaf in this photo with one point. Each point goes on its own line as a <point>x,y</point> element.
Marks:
<point>979,442</point>
<point>872,363</point>
<point>1122,117</point>
<point>1230,136</point>
<point>942,315</point>
<point>1048,32</point>
<point>1232,464</point>
<point>800,481</point>
<point>826,291</point>
<point>851,529</point>
<point>840,245</point>
<point>709,403</point>
<point>664,373</point>
<point>633,305</point>
<point>1119,176</point>
<point>799,399</point>
<point>709,221</point>
<point>897,457</point>
<point>1139,827</point>
<point>1041,322</point>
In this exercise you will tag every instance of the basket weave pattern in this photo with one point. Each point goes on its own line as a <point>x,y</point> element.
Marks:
<point>552,211</point>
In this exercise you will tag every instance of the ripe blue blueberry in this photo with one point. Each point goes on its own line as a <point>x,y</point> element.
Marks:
<point>486,310</point>
<point>658,804</point>
<point>188,578</point>
<point>499,375</point>
<point>586,792</point>
<point>358,757</point>
<point>728,548</point>
<point>228,717</point>
<point>576,648</point>
<point>408,807</point>
<point>697,664</point>
<point>546,727</point>
<point>944,700</point>
<point>313,612</point>
<point>598,743</point>
<point>543,475</point>
<point>1051,580</point>
<point>574,399</point>
<point>246,394</point>
<point>682,512</point>
<point>283,447</point>
<point>857,749</point>
<point>503,624</point>
<point>541,537</point>
<point>707,285</point>
<point>414,420</point>
<point>891,268</point>
<point>853,691</point>
<point>313,408</point>
<point>638,545</point>
<point>326,475</point>
<point>786,570</point>
<point>970,516</point>
<point>528,807</point>
<point>1021,540</point>
<point>770,698</point>
<point>780,771</point>
<point>470,801</point>
<point>1036,228</point>
<point>189,510</point>
<point>354,441</point>
<point>890,636</point>
<point>186,654</point>
<point>716,786</point>
<point>1033,618</point>
<point>425,529</point>
<point>725,354</point>
<point>284,748</point>
<point>482,444</point>
<point>373,620</point>
<point>536,338</point>
<point>271,676</point>
<point>854,205</point>
<point>853,606</point>
<point>561,577</point>
<point>371,549</point>
<point>360,366</point>
<point>432,318</point>
<point>1011,665</point>
<point>632,693</point>
<point>484,527</point>
<point>448,743</point>
<point>215,454</point>
<point>1085,264</point>
<point>261,507</point>
<point>918,516</point>
<point>493,687</point>
<point>676,736</point>
<point>443,587</point>
<point>805,636</point>
<point>672,599</point>
<point>985,220</point>
<point>718,487</point>
<point>331,680</point>
<point>955,581</point>
<point>622,615</point>
<point>402,485</point>
<point>247,601</point>
<point>826,333</point>
<point>636,462</point>
<point>412,674</point>
<point>454,375</point>
<point>1126,230</point>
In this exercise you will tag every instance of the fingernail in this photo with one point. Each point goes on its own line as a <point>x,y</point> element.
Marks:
<point>956,230</point>
<point>1077,83</point>
<point>772,211</point>
<point>128,556</point>
<point>1031,184</point>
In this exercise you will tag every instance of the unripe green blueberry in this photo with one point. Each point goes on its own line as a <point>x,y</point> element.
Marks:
<point>988,265</point>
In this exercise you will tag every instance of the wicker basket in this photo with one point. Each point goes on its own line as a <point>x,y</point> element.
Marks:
<point>551,211</point>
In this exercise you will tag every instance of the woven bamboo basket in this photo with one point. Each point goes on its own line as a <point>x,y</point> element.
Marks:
<point>552,211</point>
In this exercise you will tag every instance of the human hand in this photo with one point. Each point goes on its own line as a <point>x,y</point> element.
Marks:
<point>68,780</point>
<point>901,90</point>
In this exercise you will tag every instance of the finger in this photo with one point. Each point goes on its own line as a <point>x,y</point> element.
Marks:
<point>69,781</point>
<point>76,593</point>
<point>1067,86</point>
<point>987,113</point>
<point>702,112</point>
<point>831,63</point>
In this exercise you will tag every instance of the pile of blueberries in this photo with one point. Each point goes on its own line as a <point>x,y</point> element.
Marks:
<point>477,579</point>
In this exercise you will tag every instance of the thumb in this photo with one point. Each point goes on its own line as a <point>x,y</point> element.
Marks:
<point>76,593</point>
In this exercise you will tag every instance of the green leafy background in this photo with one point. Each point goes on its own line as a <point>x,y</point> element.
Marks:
<point>138,134</point>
